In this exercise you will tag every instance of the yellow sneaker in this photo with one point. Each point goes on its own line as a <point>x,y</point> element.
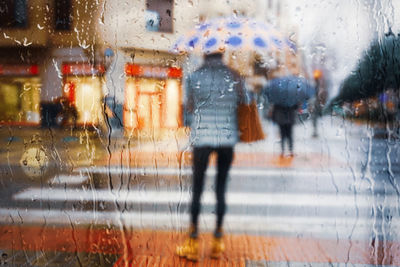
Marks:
<point>217,247</point>
<point>189,249</point>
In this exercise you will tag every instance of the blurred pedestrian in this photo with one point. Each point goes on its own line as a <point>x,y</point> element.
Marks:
<point>285,117</point>
<point>213,94</point>
<point>67,115</point>
<point>321,96</point>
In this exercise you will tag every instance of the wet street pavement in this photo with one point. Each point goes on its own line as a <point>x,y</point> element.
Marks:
<point>126,203</point>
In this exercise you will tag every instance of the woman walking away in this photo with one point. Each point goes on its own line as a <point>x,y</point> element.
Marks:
<point>213,95</point>
<point>285,118</point>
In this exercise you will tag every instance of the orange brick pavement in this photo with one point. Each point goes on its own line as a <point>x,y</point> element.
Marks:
<point>156,248</point>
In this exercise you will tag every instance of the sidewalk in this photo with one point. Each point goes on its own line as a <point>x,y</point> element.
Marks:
<point>176,152</point>
<point>85,148</point>
<point>157,248</point>
<point>63,147</point>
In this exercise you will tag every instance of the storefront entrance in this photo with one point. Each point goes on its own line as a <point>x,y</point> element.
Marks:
<point>153,100</point>
<point>83,88</point>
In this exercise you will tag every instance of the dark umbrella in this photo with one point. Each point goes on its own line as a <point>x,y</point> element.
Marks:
<point>379,69</point>
<point>289,90</point>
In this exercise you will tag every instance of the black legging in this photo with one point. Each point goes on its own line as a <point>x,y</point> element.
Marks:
<point>200,163</point>
<point>286,134</point>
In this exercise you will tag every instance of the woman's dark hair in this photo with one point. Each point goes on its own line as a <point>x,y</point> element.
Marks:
<point>214,55</point>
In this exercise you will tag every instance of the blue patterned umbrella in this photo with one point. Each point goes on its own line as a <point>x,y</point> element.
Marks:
<point>232,33</point>
<point>289,90</point>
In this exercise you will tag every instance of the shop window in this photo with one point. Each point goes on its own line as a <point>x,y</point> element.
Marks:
<point>13,13</point>
<point>159,15</point>
<point>63,16</point>
<point>19,98</point>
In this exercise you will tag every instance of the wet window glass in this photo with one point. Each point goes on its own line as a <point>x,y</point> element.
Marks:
<point>199,133</point>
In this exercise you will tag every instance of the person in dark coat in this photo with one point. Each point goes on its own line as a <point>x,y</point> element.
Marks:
<point>67,112</point>
<point>285,117</point>
<point>213,94</point>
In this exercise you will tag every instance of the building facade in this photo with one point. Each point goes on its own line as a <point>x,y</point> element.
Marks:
<point>39,39</point>
<point>118,52</point>
<point>142,32</point>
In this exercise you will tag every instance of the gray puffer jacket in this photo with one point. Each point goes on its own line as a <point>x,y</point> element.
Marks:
<point>213,94</point>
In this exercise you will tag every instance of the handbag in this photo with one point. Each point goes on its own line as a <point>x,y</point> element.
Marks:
<point>249,123</point>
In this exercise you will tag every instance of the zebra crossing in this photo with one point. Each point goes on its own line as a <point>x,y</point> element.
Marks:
<point>305,202</point>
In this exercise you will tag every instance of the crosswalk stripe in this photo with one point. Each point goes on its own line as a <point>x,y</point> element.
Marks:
<point>208,197</point>
<point>164,220</point>
<point>212,171</point>
<point>68,179</point>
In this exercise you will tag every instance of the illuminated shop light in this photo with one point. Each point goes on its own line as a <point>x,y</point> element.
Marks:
<point>152,71</point>
<point>19,70</point>
<point>82,69</point>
